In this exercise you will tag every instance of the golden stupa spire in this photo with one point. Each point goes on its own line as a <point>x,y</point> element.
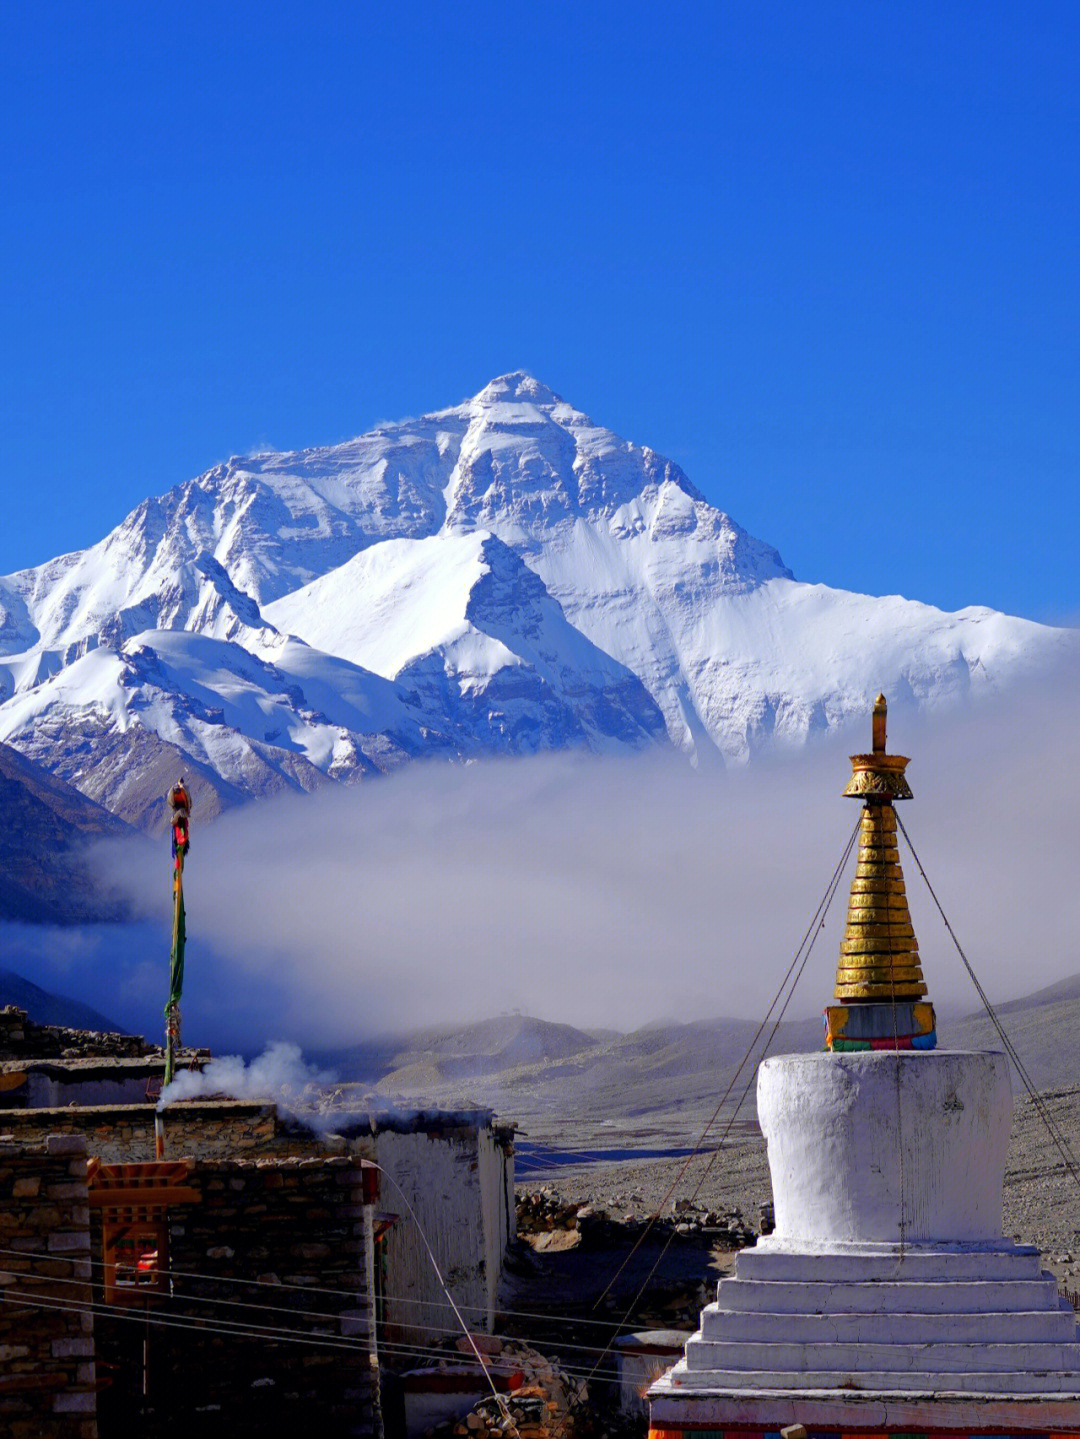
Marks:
<point>879,981</point>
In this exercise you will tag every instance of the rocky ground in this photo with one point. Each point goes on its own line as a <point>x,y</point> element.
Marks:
<point>1042,1199</point>
<point>638,1244</point>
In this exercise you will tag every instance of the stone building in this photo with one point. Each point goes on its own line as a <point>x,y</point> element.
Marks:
<point>455,1173</point>
<point>44,1066</point>
<point>48,1382</point>
<point>140,1296</point>
<point>260,1268</point>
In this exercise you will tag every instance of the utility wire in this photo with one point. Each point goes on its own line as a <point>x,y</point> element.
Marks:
<point>162,1299</point>
<point>220,1279</point>
<point>499,1400</point>
<point>194,1324</point>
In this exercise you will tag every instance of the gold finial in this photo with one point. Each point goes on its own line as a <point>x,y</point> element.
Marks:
<point>881,714</point>
<point>878,777</point>
<point>879,954</point>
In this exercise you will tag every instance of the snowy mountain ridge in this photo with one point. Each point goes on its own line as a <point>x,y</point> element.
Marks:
<point>501,576</point>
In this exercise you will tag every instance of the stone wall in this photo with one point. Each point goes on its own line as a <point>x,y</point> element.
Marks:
<point>495,1155</point>
<point>21,1038</point>
<point>208,1129</point>
<point>47,1374</point>
<point>269,1318</point>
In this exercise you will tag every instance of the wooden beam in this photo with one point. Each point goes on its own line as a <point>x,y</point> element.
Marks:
<point>144,1197</point>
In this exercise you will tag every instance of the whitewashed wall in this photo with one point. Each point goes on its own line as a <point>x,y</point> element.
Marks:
<point>459,1181</point>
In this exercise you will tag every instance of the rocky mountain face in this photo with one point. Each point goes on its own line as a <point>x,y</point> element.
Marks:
<point>504,576</point>
<point>47,829</point>
<point>37,1023</point>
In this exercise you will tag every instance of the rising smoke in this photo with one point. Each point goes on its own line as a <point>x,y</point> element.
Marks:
<point>279,1073</point>
<point>595,892</point>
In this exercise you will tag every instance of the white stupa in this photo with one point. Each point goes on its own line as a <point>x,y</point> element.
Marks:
<point>887,1300</point>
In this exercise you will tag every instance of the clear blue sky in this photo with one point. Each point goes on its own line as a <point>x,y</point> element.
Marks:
<point>824,255</point>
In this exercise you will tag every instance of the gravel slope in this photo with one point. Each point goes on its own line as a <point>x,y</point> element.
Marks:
<point>1041,1204</point>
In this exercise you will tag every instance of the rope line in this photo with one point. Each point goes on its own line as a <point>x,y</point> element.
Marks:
<point>812,930</point>
<point>880,825</point>
<point>817,924</point>
<point>1058,1137</point>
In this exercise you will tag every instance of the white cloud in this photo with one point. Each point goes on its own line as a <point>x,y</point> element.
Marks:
<point>615,892</point>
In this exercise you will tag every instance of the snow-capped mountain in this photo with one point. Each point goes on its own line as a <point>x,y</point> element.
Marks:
<point>501,576</point>
<point>463,624</point>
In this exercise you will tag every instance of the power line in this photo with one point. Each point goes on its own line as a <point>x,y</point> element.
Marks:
<point>164,1298</point>
<point>142,1317</point>
<point>457,1312</point>
<point>220,1279</point>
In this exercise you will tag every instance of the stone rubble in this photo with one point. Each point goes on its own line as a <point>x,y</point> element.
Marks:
<point>547,1403</point>
<point>22,1038</point>
<point>543,1212</point>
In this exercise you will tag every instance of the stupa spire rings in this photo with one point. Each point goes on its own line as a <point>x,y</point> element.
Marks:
<point>880,990</point>
<point>886,1300</point>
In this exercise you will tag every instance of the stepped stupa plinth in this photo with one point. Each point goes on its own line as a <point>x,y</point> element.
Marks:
<point>886,1300</point>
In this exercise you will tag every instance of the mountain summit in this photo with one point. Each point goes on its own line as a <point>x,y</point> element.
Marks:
<point>502,576</point>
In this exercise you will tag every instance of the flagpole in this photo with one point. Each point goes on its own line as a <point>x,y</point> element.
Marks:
<point>180,805</point>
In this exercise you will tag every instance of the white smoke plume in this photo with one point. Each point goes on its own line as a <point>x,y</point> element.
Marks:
<point>279,1075</point>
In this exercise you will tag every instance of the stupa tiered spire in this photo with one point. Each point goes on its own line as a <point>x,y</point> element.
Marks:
<point>879,981</point>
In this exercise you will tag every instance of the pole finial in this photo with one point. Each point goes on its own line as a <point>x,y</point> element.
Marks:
<point>879,775</point>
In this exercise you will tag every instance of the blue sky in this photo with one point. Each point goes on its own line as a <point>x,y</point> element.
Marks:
<point>823,255</point>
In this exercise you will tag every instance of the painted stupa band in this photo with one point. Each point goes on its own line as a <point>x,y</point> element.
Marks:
<point>906,1025</point>
<point>664,1431</point>
<point>886,1300</point>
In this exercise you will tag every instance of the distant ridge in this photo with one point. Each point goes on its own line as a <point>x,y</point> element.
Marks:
<point>46,831</point>
<point>536,1069</point>
<point>1044,1027</point>
<point>44,1007</point>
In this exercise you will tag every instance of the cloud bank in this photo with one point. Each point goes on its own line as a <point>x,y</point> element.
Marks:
<point>595,892</point>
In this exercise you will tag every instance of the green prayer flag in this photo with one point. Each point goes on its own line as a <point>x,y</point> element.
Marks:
<point>176,959</point>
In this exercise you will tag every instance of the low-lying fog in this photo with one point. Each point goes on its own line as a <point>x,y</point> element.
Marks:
<point>597,892</point>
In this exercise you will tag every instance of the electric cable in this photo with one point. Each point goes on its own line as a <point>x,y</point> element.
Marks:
<point>457,1312</point>
<point>220,1279</point>
<point>143,1317</point>
<point>161,1298</point>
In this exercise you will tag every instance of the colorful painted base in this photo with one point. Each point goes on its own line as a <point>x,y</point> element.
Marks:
<point>852,1028</point>
<point>662,1432</point>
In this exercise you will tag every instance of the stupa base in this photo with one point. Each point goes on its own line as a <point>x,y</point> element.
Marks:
<point>826,1414</point>
<point>887,1301</point>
